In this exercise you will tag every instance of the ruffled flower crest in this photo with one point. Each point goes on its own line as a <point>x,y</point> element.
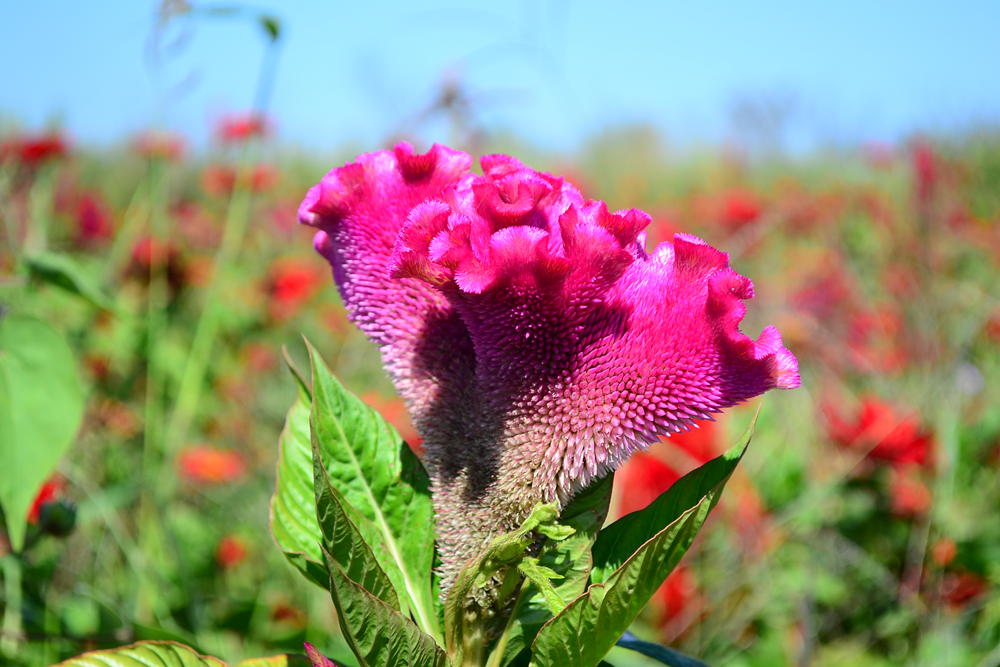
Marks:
<point>569,347</point>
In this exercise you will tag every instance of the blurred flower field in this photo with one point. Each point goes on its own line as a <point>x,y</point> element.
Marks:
<point>861,528</point>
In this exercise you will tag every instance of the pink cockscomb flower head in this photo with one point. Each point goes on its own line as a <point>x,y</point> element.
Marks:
<point>536,341</point>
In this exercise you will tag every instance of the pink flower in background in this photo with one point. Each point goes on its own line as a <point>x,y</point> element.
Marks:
<point>94,223</point>
<point>536,341</point>
<point>161,145</point>
<point>926,171</point>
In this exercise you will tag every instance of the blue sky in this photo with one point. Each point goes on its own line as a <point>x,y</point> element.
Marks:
<point>554,72</point>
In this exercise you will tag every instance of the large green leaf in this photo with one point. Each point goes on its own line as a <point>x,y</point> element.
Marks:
<point>377,473</point>
<point>660,534</point>
<point>378,634</point>
<point>277,661</point>
<point>620,540</point>
<point>144,654</point>
<point>293,511</point>
<point>169,654</point>
<point>343,540</point>
<point>41,403</point>
<point>569,557</point>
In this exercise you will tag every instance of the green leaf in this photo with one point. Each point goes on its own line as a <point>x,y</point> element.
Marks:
<point>377,473</point>
<point>541,577</point>
<point>61,271</point>
<point>570,557</point>
<point>379,635</point>
<point>592,623</point>
<point>170,654</point>
<point>344,542</point>
<point>276,661</point>
<point>293,513</point>
<point>41,403</point>
<point>271,25</point>
<point>620,540</point>
<point>144,654</point>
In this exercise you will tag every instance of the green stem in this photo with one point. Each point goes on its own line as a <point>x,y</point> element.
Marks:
<point>473,641</point>
<point>40,210</point>
<point>12,628</point>
<point>151,539</point>
<point>6,210</point>
<point>496,655</point>
<point>120,251</point>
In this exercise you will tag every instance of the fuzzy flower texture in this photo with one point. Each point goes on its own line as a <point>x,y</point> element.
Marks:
<point>535,340</point>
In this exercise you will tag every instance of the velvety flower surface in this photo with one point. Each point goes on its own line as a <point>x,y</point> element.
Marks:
<point>536,341</point>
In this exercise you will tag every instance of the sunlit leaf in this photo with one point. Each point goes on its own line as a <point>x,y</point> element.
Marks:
<point>621,539</point>
<point>293,511</point>
<point>144,654</point>
<point>41,403</point>
<point>379,635</point>
<point>344,542</point>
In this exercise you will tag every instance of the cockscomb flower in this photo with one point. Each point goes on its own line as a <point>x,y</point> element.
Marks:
<point>536,341</point>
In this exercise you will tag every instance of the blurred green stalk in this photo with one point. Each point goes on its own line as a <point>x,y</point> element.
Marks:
<point>12,628</point>
<point>193,378</point>
<point>148,604</point>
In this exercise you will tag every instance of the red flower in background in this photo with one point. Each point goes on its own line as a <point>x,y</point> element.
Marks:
<point>648,474</point>
<point>242,127</point>
<point>232,551</point>
<point>944,551</point>
<point>677,595</point>
<point>48,493</point>
<point>32,150</point>
<point>700,443</point>
<point>220,179</point>
<point>883,433</point>
<point>909,496</point>
<point>204,464</point>
<point>290,284</point>
<point>738,209</point>
<point>641,479</point>
<point>959,588</point>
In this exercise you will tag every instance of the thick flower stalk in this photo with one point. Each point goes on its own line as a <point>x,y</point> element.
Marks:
<point>535,340</point>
